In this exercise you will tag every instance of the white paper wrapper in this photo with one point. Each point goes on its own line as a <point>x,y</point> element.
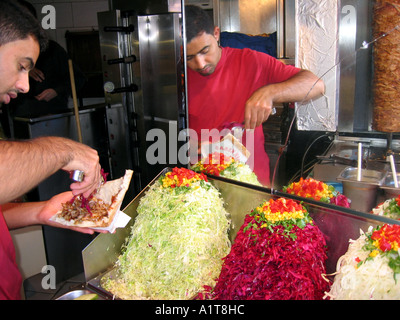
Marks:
<point>121,219</point>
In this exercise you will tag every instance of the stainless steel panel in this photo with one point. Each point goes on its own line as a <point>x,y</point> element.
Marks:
<point>118,137</point>
<point>115,32</point>
<point>249,17</point>
<point>160,99</point>
<point>347,47</point>
<point>258,16</point>
<point>363,105</point>
<point>229,17</point>
<point>155,43</point>
<point>338,224</point>
<point>159,46</point>
<point>147,7</point>
<point>280,29</point>
<point>355,107</point>
<point>205,4</point>
<point>290,29</point>
<point>286,30</point>
<point>111,47</point>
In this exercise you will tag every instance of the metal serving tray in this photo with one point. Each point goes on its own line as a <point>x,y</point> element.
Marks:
<point>338,224</point>
<point>370,177</point>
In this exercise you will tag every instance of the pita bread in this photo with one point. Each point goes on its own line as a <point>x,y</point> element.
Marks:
<point>104,205</point>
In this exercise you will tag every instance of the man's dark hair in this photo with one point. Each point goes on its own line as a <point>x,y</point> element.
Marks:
<point>18,23</point>
<point>197,22</point>
<point>29,6</point>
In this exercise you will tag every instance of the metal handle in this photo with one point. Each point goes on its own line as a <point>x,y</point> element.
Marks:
<point>130,59</point>
<point>77,175</point>
<point>127,29</point>
<point>132,88</point>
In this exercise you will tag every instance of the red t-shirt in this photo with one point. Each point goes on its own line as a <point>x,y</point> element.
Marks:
<point>221,97</point>
<point>10,277</point>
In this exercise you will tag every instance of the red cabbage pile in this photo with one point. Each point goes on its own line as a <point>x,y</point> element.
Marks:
<point>274,263</point>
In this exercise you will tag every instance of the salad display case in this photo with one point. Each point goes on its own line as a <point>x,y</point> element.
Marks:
<point>338,224</point>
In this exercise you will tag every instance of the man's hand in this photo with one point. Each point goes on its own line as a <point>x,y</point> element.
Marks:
<point>23,214</point>
<point>258,108</point>
<point>304,86</point>
<point>84,159</point>
<point>46,95</point>
<point>54,205</point>
<point>37,75</point>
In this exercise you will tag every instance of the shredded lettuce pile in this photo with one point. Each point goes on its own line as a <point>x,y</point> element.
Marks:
<point>176,245</point>
<point>225,166</point>
<point>240,172</point>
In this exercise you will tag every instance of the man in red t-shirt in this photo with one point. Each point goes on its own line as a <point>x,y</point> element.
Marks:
<point>24,164</point>
<point>238,85</point>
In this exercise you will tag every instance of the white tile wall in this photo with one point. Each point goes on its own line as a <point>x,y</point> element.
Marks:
<point>72,15</point>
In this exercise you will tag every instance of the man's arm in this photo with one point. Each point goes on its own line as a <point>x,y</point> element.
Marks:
<point>303,86</point>
<point>24,164</point>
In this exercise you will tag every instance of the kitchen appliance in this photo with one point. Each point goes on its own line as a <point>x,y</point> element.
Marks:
<point>143,72</point>
<point>344,60</point>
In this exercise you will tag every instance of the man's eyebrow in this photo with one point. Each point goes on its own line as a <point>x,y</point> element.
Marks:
<point>202,49</point>
<point>30,61</point>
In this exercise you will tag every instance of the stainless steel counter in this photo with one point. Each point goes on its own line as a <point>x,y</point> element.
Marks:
<point>338,224</point>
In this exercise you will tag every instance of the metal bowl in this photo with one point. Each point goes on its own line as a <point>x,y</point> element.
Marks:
<point>372,177</point>
<point>362,193</point>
